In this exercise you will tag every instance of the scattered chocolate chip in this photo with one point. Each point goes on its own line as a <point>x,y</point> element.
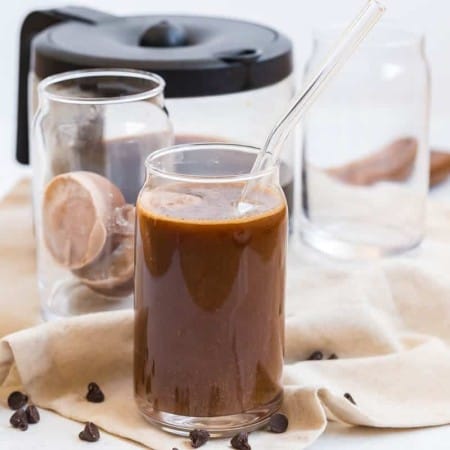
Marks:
<point>17,400</point>
<point>278,423</point>
<point>94,394</point>
<point>316,356</point>
<point>240,442</point>
<point>19,420</point>
<point>349,398</point>
<point>33,415</point>
<point>198,438</point>
<point>90,433</point>
<point>333,356</point>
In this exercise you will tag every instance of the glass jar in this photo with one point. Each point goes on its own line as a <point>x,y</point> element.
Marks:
<point>207,268</point>
<point>92,133</point>
<point>365,160</point>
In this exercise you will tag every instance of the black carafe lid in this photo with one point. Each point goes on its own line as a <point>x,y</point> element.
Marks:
<point>197,56</point>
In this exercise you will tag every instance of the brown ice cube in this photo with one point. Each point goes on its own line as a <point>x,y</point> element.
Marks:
<point>77,210</point>
<point>112,273</point>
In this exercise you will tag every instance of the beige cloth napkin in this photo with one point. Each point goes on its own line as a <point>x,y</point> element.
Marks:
<point>388,322</point>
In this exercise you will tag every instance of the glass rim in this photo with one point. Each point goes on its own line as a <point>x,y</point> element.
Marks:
<point>228,178</point>
<point>52,80</point>
<point>384,35</point>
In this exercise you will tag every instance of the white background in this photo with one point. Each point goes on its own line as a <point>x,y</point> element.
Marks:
<point>296,18</point>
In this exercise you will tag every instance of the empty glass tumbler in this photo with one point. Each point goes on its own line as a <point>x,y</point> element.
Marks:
<point>365,160</point>
<point>92,133</point>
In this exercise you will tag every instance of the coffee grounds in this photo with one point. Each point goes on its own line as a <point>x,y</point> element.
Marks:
<point>94,394</point>
<point>17,400</point>
<point>240,442</point>
<point>32,414</point>
<point>349,398</point>
<point>316,356</point>
<point>90,433</point>
<point>198,438</point>
<point>278,423</point>
<point>19,420</point>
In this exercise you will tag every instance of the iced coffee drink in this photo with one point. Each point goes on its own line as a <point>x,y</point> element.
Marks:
<point>209,294</point>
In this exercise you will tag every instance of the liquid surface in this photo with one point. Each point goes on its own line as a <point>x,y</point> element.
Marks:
<point>209,203</point>
<point>209,299</point>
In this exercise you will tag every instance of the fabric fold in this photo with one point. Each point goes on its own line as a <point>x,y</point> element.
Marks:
<point>54,363</point>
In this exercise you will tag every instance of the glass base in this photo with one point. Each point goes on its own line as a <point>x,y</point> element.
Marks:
<point>348,241</point>
<point>72,298</point>
<point>219,426</point>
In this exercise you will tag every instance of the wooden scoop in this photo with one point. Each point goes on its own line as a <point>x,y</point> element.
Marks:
<point>394,162</point>
<point>77,210</point>
<point>439,167</point>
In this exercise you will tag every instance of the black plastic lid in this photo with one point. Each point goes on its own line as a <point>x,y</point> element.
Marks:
<point>197,56</point>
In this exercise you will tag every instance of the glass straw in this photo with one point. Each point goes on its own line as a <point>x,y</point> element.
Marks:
<point>349,40</point>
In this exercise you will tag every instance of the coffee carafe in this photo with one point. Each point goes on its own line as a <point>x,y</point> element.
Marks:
<point>226,80</point>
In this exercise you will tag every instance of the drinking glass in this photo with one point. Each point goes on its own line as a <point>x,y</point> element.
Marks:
<point>92,133</point>
<point>209,290</point>
<point>365,160</point>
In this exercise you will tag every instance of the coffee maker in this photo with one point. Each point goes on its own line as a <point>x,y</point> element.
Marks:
<point>226,80</point>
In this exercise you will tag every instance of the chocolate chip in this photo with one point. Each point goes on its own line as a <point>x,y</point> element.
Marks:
<point>23,426</point>
<point>19,420</point>
<point>90,433</point>
<point>278,423</point>
<point>333,356</point>
<point>315,356</point>
<point>198,438</point>
<point>240,442</point>
<point>17,400</point>
<point>33,415</point>
<point>94,394</point>
<point>349,398</point>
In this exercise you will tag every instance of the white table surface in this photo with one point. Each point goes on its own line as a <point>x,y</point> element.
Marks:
<point>55,432</point>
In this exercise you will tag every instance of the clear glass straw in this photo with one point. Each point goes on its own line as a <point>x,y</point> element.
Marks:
<point>349,40</point>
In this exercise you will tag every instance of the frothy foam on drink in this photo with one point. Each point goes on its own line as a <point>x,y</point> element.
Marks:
<point>211,202</point>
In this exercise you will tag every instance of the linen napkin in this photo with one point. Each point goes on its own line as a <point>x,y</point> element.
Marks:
<point>388,322</point>
<point>19,300</point>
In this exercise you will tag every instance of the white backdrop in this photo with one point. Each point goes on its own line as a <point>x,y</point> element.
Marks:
<point>294,17</point>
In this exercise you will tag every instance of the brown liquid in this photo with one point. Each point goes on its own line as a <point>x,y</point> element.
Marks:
<point>209,305</point>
